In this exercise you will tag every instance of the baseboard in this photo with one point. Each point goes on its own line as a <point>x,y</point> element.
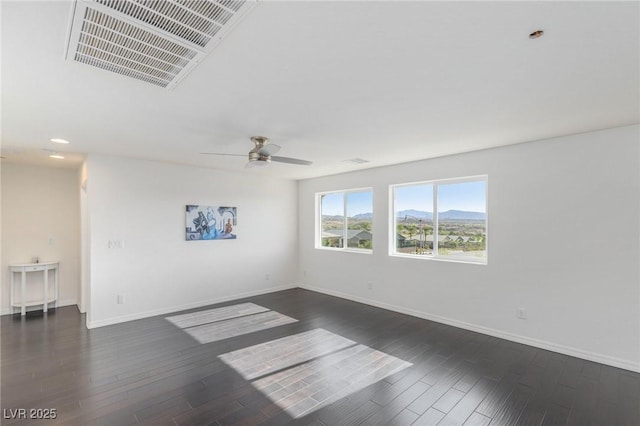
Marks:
<point>542,344</point>
<point>61,303</point>
<point>173,309</point>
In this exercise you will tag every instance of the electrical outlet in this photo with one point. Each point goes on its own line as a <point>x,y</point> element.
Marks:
<point>267,277</point>
<point>121,299</point>
<point>370,285</point>
<point>116,244</point>
<point>521,313</point>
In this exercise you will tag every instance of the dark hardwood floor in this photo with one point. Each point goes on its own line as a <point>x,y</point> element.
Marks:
<point>154,373</point>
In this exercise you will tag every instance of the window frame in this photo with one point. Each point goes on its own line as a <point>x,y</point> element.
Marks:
<point>435,220</point>
<point>318,220</point>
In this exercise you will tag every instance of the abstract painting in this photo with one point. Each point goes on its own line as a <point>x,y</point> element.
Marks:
<point>211,223</point>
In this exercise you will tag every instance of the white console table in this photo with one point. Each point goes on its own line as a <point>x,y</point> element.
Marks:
<point>23,269</point>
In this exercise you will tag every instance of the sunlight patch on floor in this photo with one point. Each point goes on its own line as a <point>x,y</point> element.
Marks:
<point>306,371</point>
<point>230,321</point>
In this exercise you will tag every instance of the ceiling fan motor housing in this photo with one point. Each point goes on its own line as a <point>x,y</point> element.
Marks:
<point>255,156</point>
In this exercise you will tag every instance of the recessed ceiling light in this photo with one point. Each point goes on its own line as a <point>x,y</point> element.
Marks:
<point>57,156</point>
<point>536,34</point>
<point>59,140</point>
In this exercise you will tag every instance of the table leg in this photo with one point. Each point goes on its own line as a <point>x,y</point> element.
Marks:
<point>23,294</point>
<point>13,294</point>
<point>46,290</point>
<point>55,286</point>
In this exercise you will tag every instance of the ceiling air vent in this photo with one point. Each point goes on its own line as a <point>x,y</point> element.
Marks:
<point>156,41</point>
<point>357,161</point>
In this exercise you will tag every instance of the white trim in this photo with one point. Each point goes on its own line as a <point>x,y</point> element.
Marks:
<point>338,191</point>
<point>61,303</point>
<point>172,309</point>
<point>435,220</point>
<point>435,184</point>
<point>445,181</point>
<point>542,344</point>
<point>467,260</point>
<point>347,250</point>
<point>345,224</point>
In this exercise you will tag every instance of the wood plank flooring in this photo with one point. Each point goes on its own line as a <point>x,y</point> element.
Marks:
<point>152,372</point>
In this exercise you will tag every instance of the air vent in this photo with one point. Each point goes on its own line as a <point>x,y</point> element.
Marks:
<point>113,45</point>
<point>357,161</point>
<point>155,41</point>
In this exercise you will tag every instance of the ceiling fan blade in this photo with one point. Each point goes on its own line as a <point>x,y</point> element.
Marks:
<point>269,149</point>
<point>291,160</point>
<point>219,153</point>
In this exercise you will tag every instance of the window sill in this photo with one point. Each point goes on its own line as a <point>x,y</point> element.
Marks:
<point>470,261</point>
<point>346,250</point>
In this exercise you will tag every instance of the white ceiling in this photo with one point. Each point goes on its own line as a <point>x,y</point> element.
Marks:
<point>386,81</point>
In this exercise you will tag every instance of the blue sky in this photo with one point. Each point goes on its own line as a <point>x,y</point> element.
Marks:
<point>467,196</point>
<point>357,202</point>
<point>414,198</point>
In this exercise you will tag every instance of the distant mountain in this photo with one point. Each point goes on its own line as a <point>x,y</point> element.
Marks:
<point>412,214</point>
<point>447,215</point>
<point>415,213</point>
<point>364,216</point>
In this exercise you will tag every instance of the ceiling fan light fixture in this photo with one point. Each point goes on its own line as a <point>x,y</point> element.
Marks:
<point>257,162</point>
<point>56,156</point>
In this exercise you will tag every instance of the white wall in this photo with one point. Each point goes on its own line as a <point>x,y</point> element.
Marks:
<point>143,204</point>
<point>85,241</point>
<point>563,243</point>
<point>40,217</point>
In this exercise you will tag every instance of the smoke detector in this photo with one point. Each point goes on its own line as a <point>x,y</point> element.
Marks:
<point>155,41</point>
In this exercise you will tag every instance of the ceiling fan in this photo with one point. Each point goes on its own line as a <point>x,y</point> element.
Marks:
<point>262,154</point>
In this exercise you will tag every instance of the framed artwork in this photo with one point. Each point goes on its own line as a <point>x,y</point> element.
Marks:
<point>211,223</point>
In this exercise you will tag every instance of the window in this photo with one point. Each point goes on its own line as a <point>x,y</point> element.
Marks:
<point>345,220</point>
<point>441,219</point>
